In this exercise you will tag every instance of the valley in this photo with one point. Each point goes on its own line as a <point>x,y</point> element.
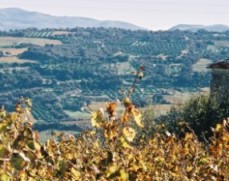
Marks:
<point>63,70</point>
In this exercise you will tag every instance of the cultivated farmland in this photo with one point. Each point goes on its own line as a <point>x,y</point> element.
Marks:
<point>15,41</point>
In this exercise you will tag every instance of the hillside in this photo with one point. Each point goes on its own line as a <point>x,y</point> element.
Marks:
<point>195,28</point>
<point>14,18</point>
<point>62,70</point>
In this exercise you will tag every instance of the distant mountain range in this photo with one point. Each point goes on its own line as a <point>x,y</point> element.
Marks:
<point>15,18</point>
<point>194,28</point>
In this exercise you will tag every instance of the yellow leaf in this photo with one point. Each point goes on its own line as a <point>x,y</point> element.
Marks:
<point>124,143</point>
<point>111,131</point>
<point>218,127</point>
<point>111,169</point>
<point>75,174</point>
<point>159,159</point>
<point>23,176</point>
<point>3,125</point>
<point>14,116</point>
<point>42,171</point>
<point>188,136</point>
<point>204,160</point>
<point>129,133</point>
<point>92,133</point>
<point>134,167</point>
<point>174,174</point>
<point>96,118</point>
<point>69,156</point>
<point>189,168</point>
<point>138,118</point>
<point>123,175</point>
<point>4,177</point>
<point>37,145</point>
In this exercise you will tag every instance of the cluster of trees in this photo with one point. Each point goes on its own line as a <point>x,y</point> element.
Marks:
<point>201,113</point>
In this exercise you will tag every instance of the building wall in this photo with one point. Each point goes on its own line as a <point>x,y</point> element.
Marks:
<point>220,84</point>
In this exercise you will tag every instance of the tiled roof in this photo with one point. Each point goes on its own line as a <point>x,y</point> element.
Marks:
<point>220,65</point>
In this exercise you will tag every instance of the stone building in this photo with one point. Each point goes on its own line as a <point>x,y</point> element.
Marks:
<point>220,81</point>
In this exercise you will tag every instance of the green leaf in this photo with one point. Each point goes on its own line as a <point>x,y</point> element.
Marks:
<point>19,160</point>
<point>4,152</point>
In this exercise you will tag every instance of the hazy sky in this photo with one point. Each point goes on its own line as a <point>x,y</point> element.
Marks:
<point>151,14</point>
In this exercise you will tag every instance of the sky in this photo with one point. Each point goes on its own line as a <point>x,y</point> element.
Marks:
<point>150,14</point>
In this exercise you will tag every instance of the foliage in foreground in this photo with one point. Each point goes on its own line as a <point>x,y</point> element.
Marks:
<point>109,151</point>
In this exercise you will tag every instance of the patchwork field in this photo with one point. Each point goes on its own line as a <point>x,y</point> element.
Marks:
<point>77,114</point>
<point>57,33</point>
<point>12,51</point>
<point>179,98</point>
<point>15,41</point>
<point>159,109</point>
<point>47,134</point>
<point>201,65</point>
<point>220,44</point>
<point>15,59</point>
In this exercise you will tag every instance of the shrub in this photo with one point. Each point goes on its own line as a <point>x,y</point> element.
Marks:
<point>200,113</point>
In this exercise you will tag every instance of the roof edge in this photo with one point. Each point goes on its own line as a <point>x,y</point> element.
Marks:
<point>220,65</point>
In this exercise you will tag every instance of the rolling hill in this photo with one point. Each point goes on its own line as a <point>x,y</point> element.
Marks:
<point>62,70</point>
<point>15,18</point>
<point>194,28</point>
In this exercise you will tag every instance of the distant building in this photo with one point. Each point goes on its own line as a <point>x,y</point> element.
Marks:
<point>220,81</point>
